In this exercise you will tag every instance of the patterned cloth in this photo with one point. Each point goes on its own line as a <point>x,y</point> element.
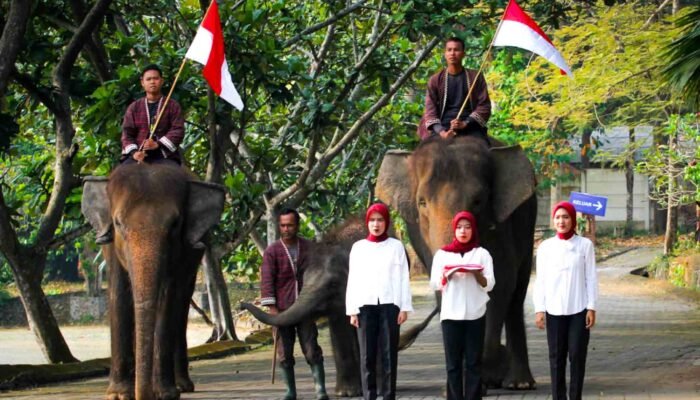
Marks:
<point>280,281</point>
<point>478,108</point>
<point>169,133</point>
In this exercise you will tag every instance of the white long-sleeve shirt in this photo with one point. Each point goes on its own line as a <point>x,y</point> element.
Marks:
<point>567,281</point>
<point>463,298</point>
<point>378,275</point>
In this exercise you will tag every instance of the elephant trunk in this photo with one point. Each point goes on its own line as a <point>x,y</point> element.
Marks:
<point>146,276</point>
<point>308,304</point>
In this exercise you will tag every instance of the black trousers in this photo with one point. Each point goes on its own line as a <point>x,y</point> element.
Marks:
<point>308,340</point>
<point>567,334</point>
<point>463,341</point>
<point>378,331</point>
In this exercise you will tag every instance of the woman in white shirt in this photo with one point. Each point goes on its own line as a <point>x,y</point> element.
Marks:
<point>565,294</point>
<point>377,299</point>
<point>464,273</point>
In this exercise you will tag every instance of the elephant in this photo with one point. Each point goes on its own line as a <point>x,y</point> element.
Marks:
<point>497,184</point>
<point>323,294</point>
<point>160,214</point>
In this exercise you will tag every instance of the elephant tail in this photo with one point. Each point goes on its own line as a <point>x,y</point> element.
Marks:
<point>307,306</point>
<point>409,336</point>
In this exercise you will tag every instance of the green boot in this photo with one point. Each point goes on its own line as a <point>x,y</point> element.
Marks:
<point>319,381</point>
<point>288,375</point>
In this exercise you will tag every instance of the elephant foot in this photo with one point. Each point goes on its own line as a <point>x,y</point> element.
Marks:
<point>120,391</point>
<point>166,392</point>
<point>348,391</point>
<point>184,384</point>
<point>519,381</point>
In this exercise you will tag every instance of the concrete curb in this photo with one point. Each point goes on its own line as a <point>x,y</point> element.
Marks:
<point>24,376</point>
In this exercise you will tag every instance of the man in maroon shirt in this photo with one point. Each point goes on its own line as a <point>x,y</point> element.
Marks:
<point>140,119</point>
<point>281,279</point>
<point>446,93</point>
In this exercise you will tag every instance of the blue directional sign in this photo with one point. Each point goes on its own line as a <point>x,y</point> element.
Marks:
<point>588,204</point>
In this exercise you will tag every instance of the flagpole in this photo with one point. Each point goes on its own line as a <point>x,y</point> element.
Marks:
<point>483,62</point>
<point>172,88</point>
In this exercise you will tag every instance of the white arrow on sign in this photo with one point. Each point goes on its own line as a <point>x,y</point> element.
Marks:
<point>598,206</point>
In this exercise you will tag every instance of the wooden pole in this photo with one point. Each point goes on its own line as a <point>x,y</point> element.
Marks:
<point>481,67</point>
<point>275,340</point>
<point>172,88</point>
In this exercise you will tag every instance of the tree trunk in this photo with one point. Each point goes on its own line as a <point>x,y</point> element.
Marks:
<point>671,228</point>
<point>39,315</point>
<point>11,39</point>
<point>629,180</point>
<point>219,303</point>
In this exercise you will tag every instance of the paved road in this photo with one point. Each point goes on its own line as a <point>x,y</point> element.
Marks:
<point>646,346</point>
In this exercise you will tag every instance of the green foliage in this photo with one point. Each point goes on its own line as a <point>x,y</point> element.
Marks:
<point>683,70</point>
<point>673,166</point>
<point>616,81</point>
<point>301,87</point>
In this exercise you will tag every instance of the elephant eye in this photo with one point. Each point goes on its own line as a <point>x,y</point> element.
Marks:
<point>421,203</point>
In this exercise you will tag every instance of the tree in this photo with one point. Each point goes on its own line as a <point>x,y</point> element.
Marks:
<point>683,71</point>
<point>27,260</point>
<point>616,82</point>
<point>674,170</point>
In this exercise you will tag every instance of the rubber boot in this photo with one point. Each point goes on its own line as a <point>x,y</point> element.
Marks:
<point>319,381</point>
<point>288,375</point>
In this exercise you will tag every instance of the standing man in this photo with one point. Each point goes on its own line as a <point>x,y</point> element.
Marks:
<point>141,116</point>
<point>282,272</point>
<point>446,93</point>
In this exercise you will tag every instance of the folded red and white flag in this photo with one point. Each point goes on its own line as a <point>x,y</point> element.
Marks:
<point>448,270</point>
<point>519,30</point>
<point>207,48</point>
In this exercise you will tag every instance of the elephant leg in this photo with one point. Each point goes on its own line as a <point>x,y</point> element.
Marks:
<point>121,311</point>
<point>346,354</point>
<point>494,365</point>
<point>183,294</point>
<point>163,348</point>
<point>519,375</point>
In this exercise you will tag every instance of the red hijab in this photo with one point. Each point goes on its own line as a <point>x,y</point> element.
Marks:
<point>384,211</point>
<point>458,247</point>
<point>572,214</point>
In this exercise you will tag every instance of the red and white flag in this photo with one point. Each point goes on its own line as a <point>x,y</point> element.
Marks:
<point>207,48</point>
<point>517,29</point>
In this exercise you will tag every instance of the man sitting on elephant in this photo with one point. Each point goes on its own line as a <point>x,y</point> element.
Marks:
<point>143,139</point>
<point>140,121</point>
<point>447,91</point>
<point>282,271</point>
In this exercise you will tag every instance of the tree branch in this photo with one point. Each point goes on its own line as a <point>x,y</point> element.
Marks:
<point>225,248</point>
<point>300,192</point>
<point>342,13</point>
<point>27,82</point>
<point>11,39</point>
<point>69,236</point>
<point>65,148</point>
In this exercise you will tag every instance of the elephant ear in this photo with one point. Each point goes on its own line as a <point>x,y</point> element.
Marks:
<point>513,181</point>
<point>205,204</point>
<point>394,185</point>
<point>95,203</point>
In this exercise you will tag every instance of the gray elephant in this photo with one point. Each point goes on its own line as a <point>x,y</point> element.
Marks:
<point>444,176</point>
<point>159,213</point>
<point>323,294</point>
